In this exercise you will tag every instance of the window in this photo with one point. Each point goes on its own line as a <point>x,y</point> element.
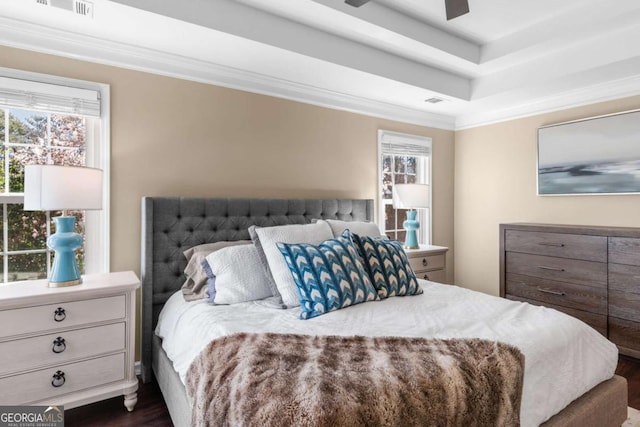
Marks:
<point>49,120</point>
<point>403,159</point>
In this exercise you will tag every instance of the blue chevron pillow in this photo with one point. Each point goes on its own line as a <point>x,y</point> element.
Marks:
<point>388,266</point>
<point>328,276</point>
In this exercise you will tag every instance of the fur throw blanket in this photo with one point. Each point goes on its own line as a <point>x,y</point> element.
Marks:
<point>297,380</point>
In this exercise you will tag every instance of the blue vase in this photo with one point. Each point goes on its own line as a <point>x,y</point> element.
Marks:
<point>64,271</point>
<point>412,226</point>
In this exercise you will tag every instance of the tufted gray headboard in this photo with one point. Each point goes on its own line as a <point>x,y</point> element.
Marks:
<point>170,225</point>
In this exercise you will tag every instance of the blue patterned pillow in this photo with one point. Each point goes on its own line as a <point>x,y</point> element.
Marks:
<point>328,276</point>
<point>388,266</point>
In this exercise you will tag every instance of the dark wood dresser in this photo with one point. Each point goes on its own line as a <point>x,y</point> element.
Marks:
<point>592,273</point>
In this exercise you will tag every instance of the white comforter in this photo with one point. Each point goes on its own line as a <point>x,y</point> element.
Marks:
<point>563,356</point>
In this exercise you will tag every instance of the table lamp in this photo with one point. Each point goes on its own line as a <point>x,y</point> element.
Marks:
<point>411,196</point>
<point>60,188</point>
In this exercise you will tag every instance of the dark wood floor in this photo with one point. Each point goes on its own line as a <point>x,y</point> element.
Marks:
<point>151,410</point>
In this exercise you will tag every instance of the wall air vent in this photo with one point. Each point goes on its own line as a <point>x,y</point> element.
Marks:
<point>78,7</point>
<point>433,100</point>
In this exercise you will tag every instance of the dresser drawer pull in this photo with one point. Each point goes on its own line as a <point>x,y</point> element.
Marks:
<point>425,277</point>
<point>556,245</point>
<point>59,345</point>
<point>59,315</point>
<point>549,291</point>
<point>424,262</point>
<point>550,268</point>
<point>58,379</point>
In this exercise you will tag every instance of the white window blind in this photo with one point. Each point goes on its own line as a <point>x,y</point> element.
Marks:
<point>405,149</point>
<point>37,96</point>
<point>404,145</point>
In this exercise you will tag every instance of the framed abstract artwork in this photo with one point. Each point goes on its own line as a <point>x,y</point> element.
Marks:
<point>598,155</point>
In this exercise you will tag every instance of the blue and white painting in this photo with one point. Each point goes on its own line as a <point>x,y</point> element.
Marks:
<point>593,156</point>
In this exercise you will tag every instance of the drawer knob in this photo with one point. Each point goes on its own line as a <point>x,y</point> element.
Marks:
<point>425,277</point>
<point>59,345</point>
<point>58,379</point>
<point>59,315</point>
<point>424,262</point>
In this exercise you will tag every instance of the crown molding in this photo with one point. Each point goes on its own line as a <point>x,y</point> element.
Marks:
<point>28,36</point>
<point>24,35</point>
<point>609,91</point>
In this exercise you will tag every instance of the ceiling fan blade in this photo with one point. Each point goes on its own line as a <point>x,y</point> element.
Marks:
<point>355,3</point>
<point>456,8</point>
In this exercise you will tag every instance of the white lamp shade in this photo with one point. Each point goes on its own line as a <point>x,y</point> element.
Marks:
<point>52,188</point>
<point>410,196</point>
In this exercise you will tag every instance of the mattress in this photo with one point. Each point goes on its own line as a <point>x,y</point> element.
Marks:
<point>564,357</point>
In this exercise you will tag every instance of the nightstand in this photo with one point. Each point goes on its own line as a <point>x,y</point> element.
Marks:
<point>68,346</point>
<point>429,262</point>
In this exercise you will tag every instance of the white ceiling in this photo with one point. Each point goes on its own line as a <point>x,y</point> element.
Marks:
<point>505,59</point>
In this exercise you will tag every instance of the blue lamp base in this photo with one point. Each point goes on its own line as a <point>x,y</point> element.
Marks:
<point>412,226</point>
<point>64,271</point>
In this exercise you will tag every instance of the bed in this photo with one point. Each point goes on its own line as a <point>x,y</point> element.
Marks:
<point>171,225</point>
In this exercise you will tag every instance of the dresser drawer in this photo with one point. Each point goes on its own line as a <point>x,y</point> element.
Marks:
<point>425,263</point>
<point>576,246</point>
<point>36,352</point>
<point>75,313</point>
<point>596,321</point>
<point>561,269</point>
<point>571,295</point>
<point>624,305</point>
<point>37,385</point>
<point>624,250</point>
<point>624,278</point>
<point>625,334</point>
<point>434,276</point>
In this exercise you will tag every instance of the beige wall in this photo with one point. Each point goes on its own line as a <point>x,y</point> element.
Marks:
<point>175,137</point>
<point>495,182</point>
<point>172,137</point>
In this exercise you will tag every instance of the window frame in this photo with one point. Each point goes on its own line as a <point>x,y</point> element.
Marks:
<point>424,215</point>
<point>98,149</point>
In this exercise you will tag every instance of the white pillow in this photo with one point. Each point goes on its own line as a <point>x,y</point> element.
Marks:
<point>361,228</point>
<point>195,286</point>
<point>265,239</point>
<point>239,275</point>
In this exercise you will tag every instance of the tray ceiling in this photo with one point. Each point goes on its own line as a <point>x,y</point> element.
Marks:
<point>504,59</point>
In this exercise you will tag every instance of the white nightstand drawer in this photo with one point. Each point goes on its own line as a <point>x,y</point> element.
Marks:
<point>43,318</point>
<point>434,276</point>
<point>61,347</point>
<point>428,262</point>
<point>37,386</point>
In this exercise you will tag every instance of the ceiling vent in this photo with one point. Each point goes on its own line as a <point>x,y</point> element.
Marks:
<point>83,8</point>
<point>433,100</point>
<point>79,7</point>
